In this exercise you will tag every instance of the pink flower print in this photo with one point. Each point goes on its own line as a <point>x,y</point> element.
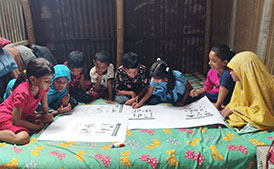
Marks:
<point>240,148</point>
<point>59,155</point>
<point>198,157</point>
<point>187,130</point>
<point>106,160</point>
<point>152,161</point>
<point>150,132</point>
<point>134,81</point>
<point>190,154</point>
<point>120,79</point>
<point>145,81</point>
<point>16,149</point>
<point>128,86</point>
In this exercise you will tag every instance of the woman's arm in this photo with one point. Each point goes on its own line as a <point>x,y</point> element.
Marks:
<point>144,99</point>
<point>82,82</point>
<point>16,120</point>
<point>223,92</point>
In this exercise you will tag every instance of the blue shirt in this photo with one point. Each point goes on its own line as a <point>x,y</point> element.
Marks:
<point>160,89</point>
<point>227,82</point>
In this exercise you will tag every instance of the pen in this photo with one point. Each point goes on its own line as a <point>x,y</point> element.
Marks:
<point>115,145</point>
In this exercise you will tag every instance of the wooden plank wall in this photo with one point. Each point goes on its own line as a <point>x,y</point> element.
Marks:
<point>11,20</point>
<point>242,32</point>
<point>173,30</point>
<point>170,29</point>
<point>67,25</point>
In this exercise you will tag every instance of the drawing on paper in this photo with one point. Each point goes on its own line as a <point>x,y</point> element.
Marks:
<point>142,114</point>
<point>109,109</point>
<point>98,129</point>
<point>196,113</point>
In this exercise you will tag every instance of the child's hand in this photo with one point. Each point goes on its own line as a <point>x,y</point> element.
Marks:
<point>65,99</point>
<point>136,105</point>
<point>193,93</point>
<point>39,124</point>
<point>130,101</point>
<point>63,109</point>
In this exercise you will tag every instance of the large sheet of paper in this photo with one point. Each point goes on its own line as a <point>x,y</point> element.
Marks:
<point>89,124</point>
<point>199,113</point>
<point>108,123</point>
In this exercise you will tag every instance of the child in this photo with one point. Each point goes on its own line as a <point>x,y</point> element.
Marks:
<point>58,96</point>
<point>131,80</point>
<point>77,86</point>
<point>101,76</point>
<point>252,101</point>
<point>219,84</point>
<point>166,86</point>
<point>17,111</point>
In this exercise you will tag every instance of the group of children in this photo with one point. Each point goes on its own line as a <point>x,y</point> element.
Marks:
<point>61,87</point>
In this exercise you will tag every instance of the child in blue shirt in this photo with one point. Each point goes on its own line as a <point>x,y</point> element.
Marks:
<point>166,85</point>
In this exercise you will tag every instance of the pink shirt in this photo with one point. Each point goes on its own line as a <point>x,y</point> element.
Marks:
<point>21,97</point>
<point>212,83</point>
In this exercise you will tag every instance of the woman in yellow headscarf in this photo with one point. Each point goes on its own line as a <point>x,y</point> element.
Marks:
<point>252,100</point>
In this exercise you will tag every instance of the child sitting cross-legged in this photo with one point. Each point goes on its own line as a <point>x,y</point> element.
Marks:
<point>101,76</point>
<point>131,80</point>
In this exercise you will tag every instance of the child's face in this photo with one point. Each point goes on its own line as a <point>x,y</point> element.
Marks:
<point>76,71</point>
<point>42,82</point>
<point>131,72</point>
<point>215,62</point>
<point>234,76</point>
<point>100,67</point>
<point>60,83</point>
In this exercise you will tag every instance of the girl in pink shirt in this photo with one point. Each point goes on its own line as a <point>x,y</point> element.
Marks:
<point>17,111</point>
<point>219,84</point>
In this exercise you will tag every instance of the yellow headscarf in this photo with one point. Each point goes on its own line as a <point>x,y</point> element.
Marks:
<point>252,100</point>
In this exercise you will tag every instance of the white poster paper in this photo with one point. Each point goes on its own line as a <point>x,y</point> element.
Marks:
<point>199,113</point>
<point>86,129</point>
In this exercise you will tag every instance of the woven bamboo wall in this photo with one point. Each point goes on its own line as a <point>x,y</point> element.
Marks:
<point>11,20</point>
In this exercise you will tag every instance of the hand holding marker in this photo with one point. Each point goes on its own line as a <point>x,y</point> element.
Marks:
<point>115,145</point>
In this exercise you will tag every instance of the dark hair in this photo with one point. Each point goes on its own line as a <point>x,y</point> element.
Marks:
<point>103,56</point>
<point>161,70</point>
<point>130,60</point>
<point>76,59</point>
<point>223,52</point>
<point>37,67</point>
